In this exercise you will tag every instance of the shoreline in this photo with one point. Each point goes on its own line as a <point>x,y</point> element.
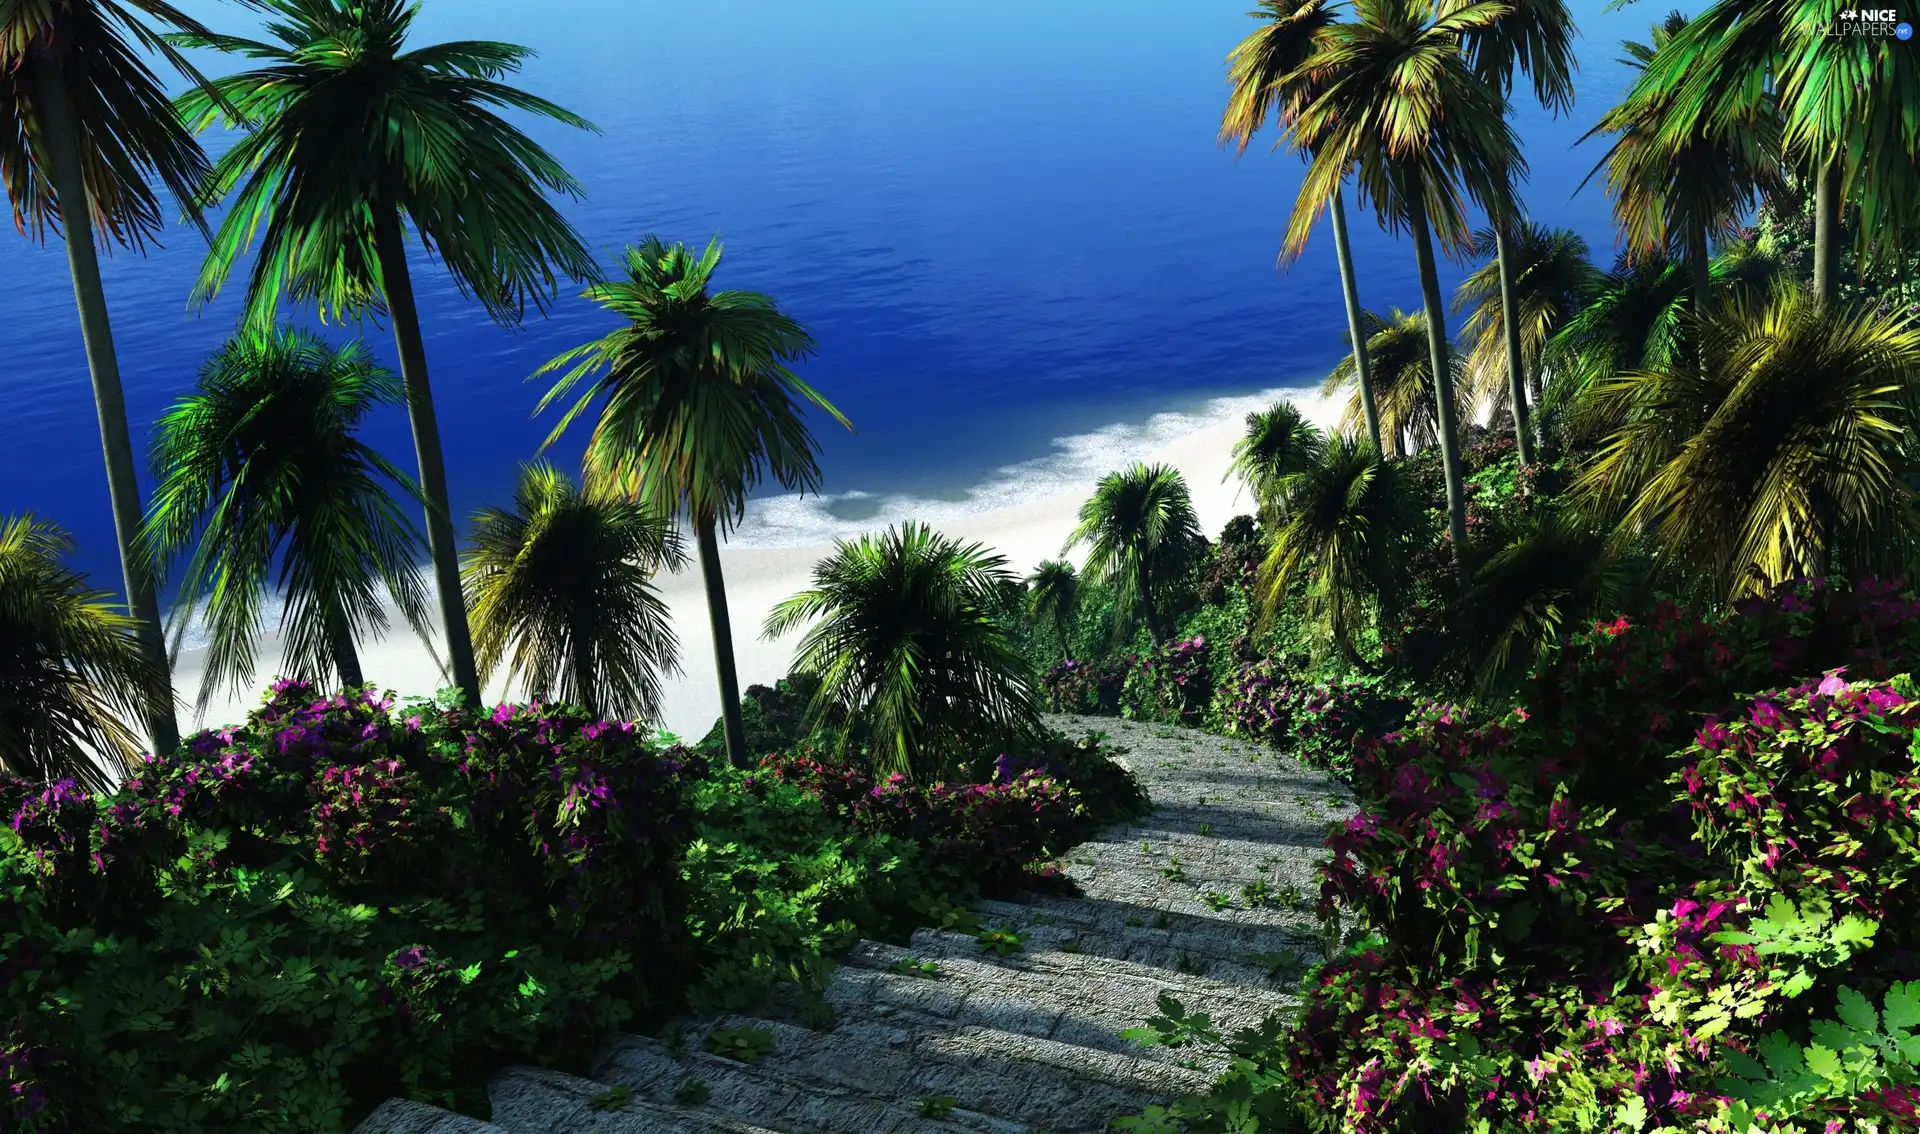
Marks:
<point>1024,513</point>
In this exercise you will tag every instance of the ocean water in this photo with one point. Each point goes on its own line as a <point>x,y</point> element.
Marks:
<point>1007,223</point>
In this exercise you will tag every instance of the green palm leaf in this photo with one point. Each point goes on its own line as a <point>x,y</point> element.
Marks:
<point>1053,598</point>
<point>1278,442</point>
<point>561,589</point>
<point>1402,383</point>
<point>261,468</point>
<point>1141,535</point>
<point>906,644</point>
<point>72,671</point>
<point>1552,277</point>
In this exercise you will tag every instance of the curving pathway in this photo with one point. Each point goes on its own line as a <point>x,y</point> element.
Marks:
<point>988,1043</point>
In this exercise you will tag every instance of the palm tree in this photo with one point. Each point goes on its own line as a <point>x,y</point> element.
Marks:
<point>1780,455</point>
<point>348,136</point>
<point>1141,535</point>
<point>699,406</point>
<point>72,669</point>
<point>1266,79</point>
<point>1278,443</point>
<point>1053,595</point>
<point>907,646</point>
<point>261,465</point>
<point>1549,572</point>
<point>89,128</point>
<point>561,589</point>
<point>1845,105</point>
<point>1676,194</point>
<point>1403,382</point>
<point>1534,38</point>
<point>1633,318</point>
<point>1347,535</point>
<point>1548,278</point>
<point>1399,105</point>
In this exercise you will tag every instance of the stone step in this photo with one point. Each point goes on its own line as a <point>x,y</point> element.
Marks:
<point>1060,1087</point>
<point>769,1092</point>
<point>404,1116</point>
<point>535,1100</point>
<point>1255,954</point>
<point>1070,998</point>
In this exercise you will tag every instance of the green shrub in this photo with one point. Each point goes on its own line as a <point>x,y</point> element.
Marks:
<point>1171,684</point>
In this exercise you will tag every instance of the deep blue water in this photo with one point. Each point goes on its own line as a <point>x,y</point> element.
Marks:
<point>1006,222</point>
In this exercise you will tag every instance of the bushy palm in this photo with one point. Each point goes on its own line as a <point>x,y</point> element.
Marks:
<point>1551,278</point>
<point>348,137</point>
<point>1403,382</point>
<point>1632,318</point>
<point>1548,572</point>
<point>561,589</point>
<point>1267,79</point>
<point>1400,106</point>
<point>72,670</point>
<point>907,646</point>
<point>1780,455</point>
<point>697,405</point>
<point>1345,537</point>
<point>1278,442</point>
<point>1053,598</point>
<point>88,138</point>
<point>261,466</point>
<point>1141,535</point>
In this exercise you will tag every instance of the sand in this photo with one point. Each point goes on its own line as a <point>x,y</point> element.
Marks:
<point>757,577</point>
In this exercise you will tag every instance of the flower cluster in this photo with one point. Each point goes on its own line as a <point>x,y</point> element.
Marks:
<point>1317,722</point>
<point>1085,687</point>
<point>1172,684</point>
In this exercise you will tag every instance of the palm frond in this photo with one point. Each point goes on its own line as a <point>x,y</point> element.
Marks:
<point>1278,442</point>
<point>1552,277</point>
<point>1141,535</point>
<point>1403,390</point>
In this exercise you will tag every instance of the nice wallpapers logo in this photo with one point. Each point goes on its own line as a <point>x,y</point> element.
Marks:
<point>1873,22</point>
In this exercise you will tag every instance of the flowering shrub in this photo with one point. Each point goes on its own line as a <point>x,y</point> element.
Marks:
<point>1172,684</point>
<point>1091,688</point>
<point>1317,722</point>
<point>1107,790</point>
<point>281,923</point>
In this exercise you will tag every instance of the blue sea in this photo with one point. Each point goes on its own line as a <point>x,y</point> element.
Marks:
<point>1007,223</point>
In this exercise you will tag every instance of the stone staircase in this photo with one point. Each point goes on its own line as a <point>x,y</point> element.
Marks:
<point>983,1042</point>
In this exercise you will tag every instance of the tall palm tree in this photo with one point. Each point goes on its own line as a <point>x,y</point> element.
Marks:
<point>262,465</point>
<point>1266,78</point>
<point>907,646</point>
<point>1053,595</point>
<point>1399,105</point>
<point>89,133</point>
<point>72,668</point>
<point>561,589</point>
<point>1845,105</point>
<point>699,405</point>
<point>1548,280</point>
<point>1677,193</point>
<point>348,138</point>
<point>1278,442</point>
<point>1403,382</point>
<point>1780,455</point>
<point>1141,535</point>
<point>1533,38</point>
<point>1347,533</point>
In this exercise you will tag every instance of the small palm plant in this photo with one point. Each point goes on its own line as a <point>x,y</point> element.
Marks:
<point>1347,534</point>
<point>72,670</point>
<point>1278,443</point>
<point>1780,455</point>
<point>561,589</point>
<point>1403,385</point>
<point>1141,534</point>
<point>906,644</point>
<point>1053,596</point>
<point>261,466</point>
<point>1551,277</point>
<point>698,405</point>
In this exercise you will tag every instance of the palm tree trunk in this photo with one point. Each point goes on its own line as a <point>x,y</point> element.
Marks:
<point>1437,357</point>
<point>1356,330</point>
<point>1700,265</point>
<point>1826,233</point>
<point>62,139</point>
<point>442,544</point>
<point>1146,606</point>
<point>731,723</point>
<point>346,659</point>
<point>1510,331</point>
<point>580,656</point>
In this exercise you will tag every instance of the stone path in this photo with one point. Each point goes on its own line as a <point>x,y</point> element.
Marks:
<point>998,1044</point>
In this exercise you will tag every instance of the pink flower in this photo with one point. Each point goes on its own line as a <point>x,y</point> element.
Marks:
<point>1834,685</point>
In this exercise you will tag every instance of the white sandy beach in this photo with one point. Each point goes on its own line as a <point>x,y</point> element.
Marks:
<point>758,576</point>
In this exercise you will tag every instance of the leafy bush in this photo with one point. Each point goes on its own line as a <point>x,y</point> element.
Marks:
<point>1107,790</point>
<point>284,922</point>
<point>1090,688</point>
<point>774,718</point>
<point>1316,722</point>
<point>1172,684</point>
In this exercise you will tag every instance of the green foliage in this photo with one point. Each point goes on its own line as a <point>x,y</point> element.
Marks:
<point>1000,941</point>
<point>1142,538</point>
<point>937,1106</point>
<point>746,1044</point>
<point>1861,1051</point>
